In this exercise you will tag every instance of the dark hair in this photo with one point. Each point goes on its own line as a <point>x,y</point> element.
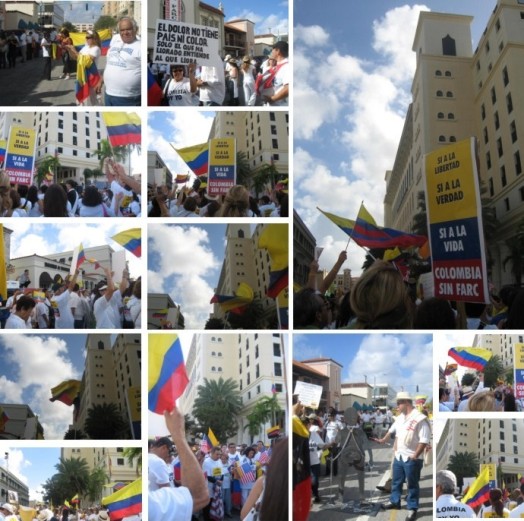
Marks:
<point>212,208</point>
<point>155,209</point>
<point>282,47</point>
<point>305,307</point>
<point>253,206</point>
<point>190,204</point>
<point>265,199</point>
<point>516,312</point>
<point>509,402</point>
<point>275,501</point>
<point>55,202</point>
<point>25,302</point>
<point>15,198</point>
<point>22,190</point>
<point>137,288</point>
<point>495,498</point>
<point>283,200</point>
<point>434,313</point>
<point>345,313</point>
<point>92,197</point>
<point>248,450</point>
<point>32,194</point>
<point>72,183</point>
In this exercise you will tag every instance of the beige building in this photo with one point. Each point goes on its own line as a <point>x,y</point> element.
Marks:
<point>23,424</point>
<point>500,345</point>
<point>255,361</point>
<point>262,136</point>
<point>8,481</point>
<point>158,172</point>
<point>458,93</point>
<point>239,38</point>
<point>244,262</point>
<point>492,440</point>
<point>332,369</point>
<point>111,375</point>
<point>116,9</point>
<point>355,392</point>
<point>303,250</point>
<point>161,309</point>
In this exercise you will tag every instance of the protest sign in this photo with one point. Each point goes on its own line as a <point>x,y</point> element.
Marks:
<point>20,157</point>
<point>308,394</point>
<point>172,9</point>
<point>181,43</point>
<point>222,165</point>
<point>518,365</point>
<point>455,223</point>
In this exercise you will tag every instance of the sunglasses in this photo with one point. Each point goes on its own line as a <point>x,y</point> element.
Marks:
<point>88,37</point>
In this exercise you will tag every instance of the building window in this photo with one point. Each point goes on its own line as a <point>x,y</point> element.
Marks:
<point>493,95</point>
<point>451,115</point>
<point>75,141</point>
<point>449,94</point>
<point>278,369</point>
<point>438,73</point>
<point>274,143</point>
<point>506,204</point>
<point>276,350</point>
<point>513,130</point>
<point>60,137</point>
<point>497,25</point>
<point>483,111</point>
<point>452,139</point>
<point>273,130</point>
<point>500,151</point>
<point>509,103</point>
<point>491,191</point>
<point>497,122</point>
<point>518,165</point>
<point>447,74</point>
<point>439,94</point>
<point>442,139</point>
<point>488,160</point>
<point>503,175</point>
<point>505,76</point>
<point>440,115</point>
<point>257,371</point>
<point>247,361</point>
<point>448,46</point>
<point>248,378</point>
<point>486,137</point>
<point>120,461</point>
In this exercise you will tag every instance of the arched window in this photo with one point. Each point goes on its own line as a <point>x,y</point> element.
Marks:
<point>213,369</point>
<point>240,234</point>
<point>451,115</point>
<point>448,74</point>
<point>439,94</point>
<point>438,73</point>
<point>449,94</point>
<point>449,47</point>
<point>441,139</point>
<point>440,115</point>
<point>452,139</point>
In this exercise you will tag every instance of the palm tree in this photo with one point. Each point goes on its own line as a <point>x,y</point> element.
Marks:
<point>74,434</point>
<point>244,172</point>
<point>463,464</point>
<point>48,164</point>
<point>420,219</point>
<point>97,479</point>
<point>132,453</point>
<point>253,317</point>
<point>264,176</point>
<point>217,406</point>
<point>105,422</point>
<point>265,410</point>
<point>105,150</point>
<point>255,420</point>
<point>493,370</point>
<point>215,323</point>
<point>73,476</point>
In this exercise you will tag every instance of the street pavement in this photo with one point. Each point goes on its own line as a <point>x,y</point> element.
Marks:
<point>24,86</point>
<point>332,509</point>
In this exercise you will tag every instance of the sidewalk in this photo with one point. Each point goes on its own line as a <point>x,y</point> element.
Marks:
<point>332,509</point>
<point>24,85</point>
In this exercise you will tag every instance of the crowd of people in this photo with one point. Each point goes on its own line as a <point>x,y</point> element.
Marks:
<point>65,305</point>
<point>195,202</point>
<point>477,397</point>
<point>188,480</point>
<point>501,504</point>
<point>340,441</point>
<point>120,83</point>
<point>120,198</point>
<point>382,299</point>
<point>243,81</point>
<point>10,512</point>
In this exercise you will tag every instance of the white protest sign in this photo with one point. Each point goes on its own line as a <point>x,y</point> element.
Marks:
<point>308,394</point>
<point>181,43</point>
<point>118,265</point>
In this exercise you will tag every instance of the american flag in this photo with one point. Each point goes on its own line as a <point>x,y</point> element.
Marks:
<point>247,475</point>
<point>264,457</point>
<point>205,444</point>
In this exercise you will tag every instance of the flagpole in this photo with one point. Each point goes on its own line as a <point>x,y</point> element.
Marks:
<point>353,229</point>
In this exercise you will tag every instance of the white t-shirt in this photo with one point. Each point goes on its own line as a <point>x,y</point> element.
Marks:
<point>213,469</point>
<point>45,48</point>
<point>135,308</point>
<point>122,75</point>
<point>159,472</point>
<point>178,93</point>
<point>448,506</point>
<point>41,310</point>
<point>281,80</point>
<point>215,90</point>
<point>517,512</point>
<point>64,318</point>
<point>107,313</point>
<point>170,504</point>
<point>488,512</point>
<point>96,211</point>
<point>93,51</point>
<point>15,322</point>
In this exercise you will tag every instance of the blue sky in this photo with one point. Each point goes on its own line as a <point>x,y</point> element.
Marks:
<point>26,376</point>
<point>268,15</point>
<point>32,466</point>
<point>183,128</point>
<point>403,361</point>
<point>76,12</point>
<point>185,262</point>
<point>45,238</point>
<point>361,62</point>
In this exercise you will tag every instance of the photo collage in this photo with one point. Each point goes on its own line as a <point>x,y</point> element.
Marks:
<point>249,276</point>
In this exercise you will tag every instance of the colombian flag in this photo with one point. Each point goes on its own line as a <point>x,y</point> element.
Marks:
<point>79,40</point>
<point>131,240</point>
<point>123,128</point>
<point>474,357</point>
<point>274,238</point>
<point>81,256</point>
<point>125,502</point>
<point>3,419</point>
<point>66,392</point>
<point>154,92</point>
<point>167,378</point>
<point>478,492</point>
<point>87,76</point>
<point>181,178</point>
<point>346,225</point>
<point>3,146</point>
<point>242,297</point>
<point>196,157</point>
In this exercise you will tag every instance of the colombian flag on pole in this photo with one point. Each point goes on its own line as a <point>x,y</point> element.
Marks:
<point>66,392</point>
<point>274,238</point>
<point>81,256</point>
<point>243,296</point>
<point>196,157</point>
<point>346,225</point>
<point>131,240</point>
<point>167,378</point>
<point>478,492</point>
<point>474,357</point>
<point>123,128</point>
<point>87,76</point>
<point>125,502</point>
<point>3,419</point>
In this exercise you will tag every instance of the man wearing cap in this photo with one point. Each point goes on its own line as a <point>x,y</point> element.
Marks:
<point>160,470</point>
<point>178,504</point>
<point>412,435</point>
<point>447,505</point>
<point>467,393</point>
<point>281,76</point>
<point>60,302</point>
<point>8,512</point>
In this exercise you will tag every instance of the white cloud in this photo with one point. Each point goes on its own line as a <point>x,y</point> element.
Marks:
<point>312,36</point>
<point>17,463</point>
<point>34,357</point>
<point>185,258</point>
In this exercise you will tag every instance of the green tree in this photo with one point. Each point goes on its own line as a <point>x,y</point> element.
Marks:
<point>215,323</point>
<point>132,453</point>
<point>70,27</point>
<point>105,422</point>
<point>97,479</point>
<point>217,406</point>
<point>47,164</point>
<point>88,174</point>
<point>255,420</point>
<point>105,150</point>
<point>265,410</point>
<point>52,491</point>
<point>420,219</point>
<point>463,465</point>
<point>74,434</point>
<point>253,317</point>
<point>468,379</point>
<point>105,22</point>
<point>264,176</point>
<point>244,171</point>
<point>493,370</point>
<point>73,476</point>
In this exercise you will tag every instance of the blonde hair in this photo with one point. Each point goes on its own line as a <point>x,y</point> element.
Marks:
<point>246,63</point>
<point>236,202</point>
<point>6,203</point>
<point>380,299</point>
<point>483,401</point>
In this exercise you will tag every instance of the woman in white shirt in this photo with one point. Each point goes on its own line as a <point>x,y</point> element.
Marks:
<point>180,91</point>
<point>248,82</point>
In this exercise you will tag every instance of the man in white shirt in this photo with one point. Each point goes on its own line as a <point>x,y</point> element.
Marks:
<point>21,318</point>
<point>159,468</point>
<point>282,76</point>
<point>60,302</point>
<point>331,428</point>
<point>447,505</point>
